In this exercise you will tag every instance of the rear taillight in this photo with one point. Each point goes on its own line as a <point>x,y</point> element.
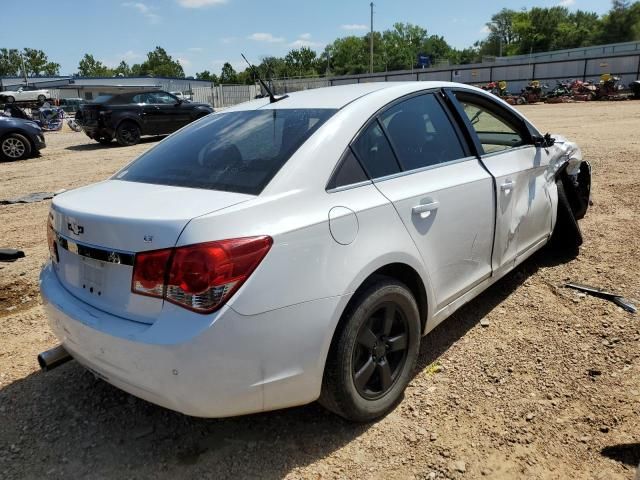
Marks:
<point>51,240</point>
<point>199,277</point>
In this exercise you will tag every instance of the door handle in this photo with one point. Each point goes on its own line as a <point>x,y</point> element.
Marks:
<point>425,207</point>
<point>507,186</point>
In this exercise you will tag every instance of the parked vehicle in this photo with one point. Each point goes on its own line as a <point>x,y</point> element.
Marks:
<point>182,96</point>
<point>19,138</point>
<point>25,94</point>
<point>635,89</point>
<point>128,116</point>
<point>287,250</point>
<point>70,105</point>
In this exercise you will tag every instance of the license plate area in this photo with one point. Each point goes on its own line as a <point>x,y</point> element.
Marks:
<point>92,273</point>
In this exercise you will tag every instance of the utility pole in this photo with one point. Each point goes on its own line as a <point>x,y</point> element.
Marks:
<point>371,42</point>
<point>24,70</point>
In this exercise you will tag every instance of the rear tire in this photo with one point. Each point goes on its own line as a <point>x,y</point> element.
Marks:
<point>373,352</point>
<point>567,233</point>
<point>128,133</point>
<point>10,99</point>
<point>41,98</point>
<point>14,147</point>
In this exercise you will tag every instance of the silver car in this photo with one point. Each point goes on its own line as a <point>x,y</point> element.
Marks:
<point>294,249</point>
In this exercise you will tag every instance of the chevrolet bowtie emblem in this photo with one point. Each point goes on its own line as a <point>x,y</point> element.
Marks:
<point>75,228</point>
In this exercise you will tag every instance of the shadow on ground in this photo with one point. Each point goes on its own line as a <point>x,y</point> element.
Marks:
<point>86,147</point>
<point>85,428</point>
<point>627,453</point>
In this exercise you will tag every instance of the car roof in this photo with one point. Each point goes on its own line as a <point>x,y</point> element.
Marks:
<point>337,97</point>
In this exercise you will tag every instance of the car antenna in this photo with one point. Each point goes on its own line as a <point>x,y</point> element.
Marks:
<point>272,98</point>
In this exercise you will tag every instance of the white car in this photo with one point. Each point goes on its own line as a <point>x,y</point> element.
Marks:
<point>24,94</point>
<point>181,96</point>
<point>278,253</point>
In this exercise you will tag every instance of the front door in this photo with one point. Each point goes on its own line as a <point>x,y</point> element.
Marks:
<point>520,170</point>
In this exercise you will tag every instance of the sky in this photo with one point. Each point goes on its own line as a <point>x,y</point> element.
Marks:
<point>203,34</point>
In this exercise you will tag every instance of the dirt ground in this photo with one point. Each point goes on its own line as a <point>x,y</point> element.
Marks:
<point>547,387</point>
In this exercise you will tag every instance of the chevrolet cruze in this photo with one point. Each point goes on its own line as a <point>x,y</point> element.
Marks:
<point>281,252</point>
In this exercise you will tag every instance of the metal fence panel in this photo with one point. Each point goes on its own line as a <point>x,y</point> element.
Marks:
<point>512,72</point>
<point>571,69</point>
<point>612,65</point>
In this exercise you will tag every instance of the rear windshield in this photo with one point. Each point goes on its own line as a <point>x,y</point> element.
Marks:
<point>236,151</point>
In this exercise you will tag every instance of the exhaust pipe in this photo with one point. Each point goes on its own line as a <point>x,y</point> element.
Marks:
<point>50,359</point>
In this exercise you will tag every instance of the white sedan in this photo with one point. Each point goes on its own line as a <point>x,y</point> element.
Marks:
<point>278,253</point>
<point>25,94</point>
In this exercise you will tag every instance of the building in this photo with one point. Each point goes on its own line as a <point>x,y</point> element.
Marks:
<point>90,88</point>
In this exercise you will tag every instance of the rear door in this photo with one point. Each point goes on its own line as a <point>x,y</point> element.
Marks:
<point>151,115</point>
<point>520,169</point>
<point>443,195</point>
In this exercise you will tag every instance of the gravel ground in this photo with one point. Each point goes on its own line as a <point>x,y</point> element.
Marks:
<point>530,380</point>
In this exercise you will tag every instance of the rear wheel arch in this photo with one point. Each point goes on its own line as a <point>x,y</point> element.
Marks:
<point>402,272</point>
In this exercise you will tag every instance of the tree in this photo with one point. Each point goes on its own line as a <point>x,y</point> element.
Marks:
<point>10,62</point>
<point>301,62</point>
<point>122,70</point>
<point>622,23</point>
<point>228,74</point>
<point>37,63</point>
<point>159,64</point>
<point>90,67</point>
<point>207,75</point>
<point>502,35</point>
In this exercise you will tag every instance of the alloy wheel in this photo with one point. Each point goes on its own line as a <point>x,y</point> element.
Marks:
<point>13,148</point>
<point>380,351</point>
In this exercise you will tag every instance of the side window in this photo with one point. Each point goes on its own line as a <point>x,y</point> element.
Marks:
<point>348,172</point>
<point>421,133</point>
<point>141,98</point>
<point>163,97</point>
<point>494,132</point>
<point>374,152</point>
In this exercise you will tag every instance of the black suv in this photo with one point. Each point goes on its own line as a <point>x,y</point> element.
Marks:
<point>128,116</point>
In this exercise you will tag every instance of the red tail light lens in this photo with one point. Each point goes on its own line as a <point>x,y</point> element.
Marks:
<point>199,277</point>
<point>149,272</point>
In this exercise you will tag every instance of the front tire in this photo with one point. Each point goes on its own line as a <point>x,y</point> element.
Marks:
<point>566,234</point>
<point>373,353</point>
<point>10,99</point>
<point>14,147</point>
<point>128,133</point>
<point>41,98</point>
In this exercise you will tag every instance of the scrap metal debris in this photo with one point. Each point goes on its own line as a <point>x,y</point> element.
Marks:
<point>612,297</point>
<point>31,198</point>
<point>10,254</point>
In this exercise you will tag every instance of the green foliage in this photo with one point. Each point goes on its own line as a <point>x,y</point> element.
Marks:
<point>158,64</point>
<point>10,63</point>
<point>228,74</point>
<point>207,75</point>
<point>122,70</point>
<point>90,67</point>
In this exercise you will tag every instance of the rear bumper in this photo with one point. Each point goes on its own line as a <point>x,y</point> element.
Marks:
<point>202,365</point>
<point>96,132</point>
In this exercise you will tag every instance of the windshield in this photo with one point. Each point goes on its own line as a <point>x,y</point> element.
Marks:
<point>236,151</point>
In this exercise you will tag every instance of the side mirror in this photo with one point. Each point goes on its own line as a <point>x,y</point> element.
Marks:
<point>545,141</point>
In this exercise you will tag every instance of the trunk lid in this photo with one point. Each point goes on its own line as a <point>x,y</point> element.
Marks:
<point>101,227</point>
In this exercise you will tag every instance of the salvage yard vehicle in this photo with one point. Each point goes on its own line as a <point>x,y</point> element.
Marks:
<point>128,116</point>
<point>25,94</point>
<point>297,248</point>
<point>19,138</point>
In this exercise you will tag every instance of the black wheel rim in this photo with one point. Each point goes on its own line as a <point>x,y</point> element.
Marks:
<point>380,351</point>
<point>130,134</point>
